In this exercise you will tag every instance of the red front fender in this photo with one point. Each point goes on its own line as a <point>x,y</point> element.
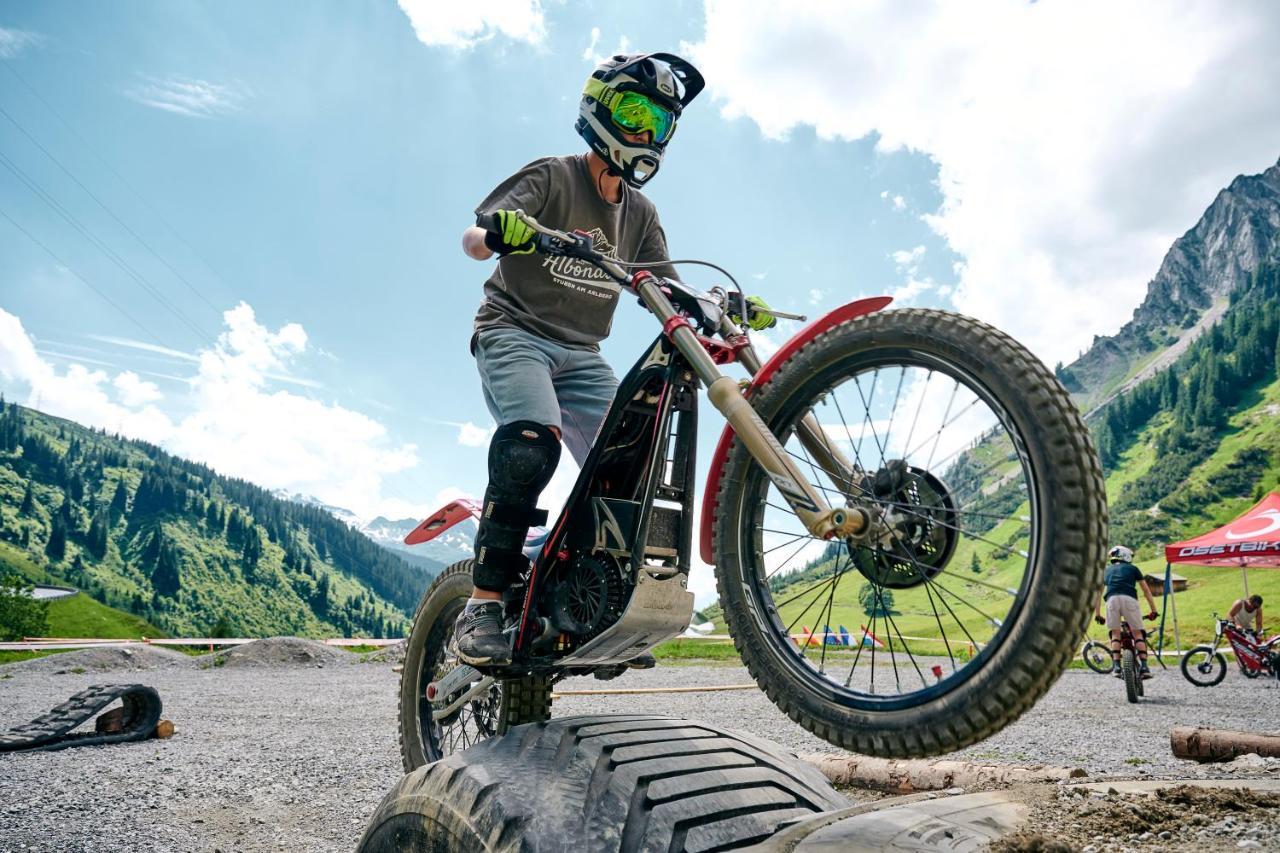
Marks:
<point>808,333</point>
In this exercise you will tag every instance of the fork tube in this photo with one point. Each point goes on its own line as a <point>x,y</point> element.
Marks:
<point>724,394</point>
<point>809,431</point>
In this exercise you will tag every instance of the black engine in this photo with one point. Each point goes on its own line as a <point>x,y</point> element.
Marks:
<point>588,597</point>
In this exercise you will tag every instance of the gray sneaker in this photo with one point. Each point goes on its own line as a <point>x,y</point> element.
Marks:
<point>478,638</point>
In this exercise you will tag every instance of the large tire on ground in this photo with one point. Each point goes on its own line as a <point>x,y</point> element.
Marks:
<point>601,783</point>
<point>1204,667</point>
<point>427,657</point>
<point>1033,639</point>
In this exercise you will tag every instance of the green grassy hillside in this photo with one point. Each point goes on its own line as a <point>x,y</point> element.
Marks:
<point>180,547</point>
<point>1184,452</point>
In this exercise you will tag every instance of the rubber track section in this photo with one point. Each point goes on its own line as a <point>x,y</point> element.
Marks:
<point>602,783</point>
<point>53,730</point>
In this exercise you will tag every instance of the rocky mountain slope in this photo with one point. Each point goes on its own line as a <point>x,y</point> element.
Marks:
<point>1189,293</point>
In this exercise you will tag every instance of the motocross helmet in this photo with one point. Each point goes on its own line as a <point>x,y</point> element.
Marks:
<point>633,93</point>
<point>1121,554</point>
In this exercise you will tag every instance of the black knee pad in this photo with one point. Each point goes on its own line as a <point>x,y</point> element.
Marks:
<point>522,458</point>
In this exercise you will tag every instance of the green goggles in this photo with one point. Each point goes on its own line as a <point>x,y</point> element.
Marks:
<point>632,112</point>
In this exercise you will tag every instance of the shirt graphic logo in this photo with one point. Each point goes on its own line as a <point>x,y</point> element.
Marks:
<point>581,276</point>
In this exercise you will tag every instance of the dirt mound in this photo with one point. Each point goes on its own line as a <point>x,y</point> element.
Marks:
<point>135,657</point>
<point>393,654</point>
<point>280,651</point>
<point>1184,818</point>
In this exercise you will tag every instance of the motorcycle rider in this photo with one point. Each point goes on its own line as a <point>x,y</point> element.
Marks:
<point>538,330</point>
<point>1120,591</point>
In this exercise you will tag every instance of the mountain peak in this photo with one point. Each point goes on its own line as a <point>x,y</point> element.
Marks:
<point>1239,230</point>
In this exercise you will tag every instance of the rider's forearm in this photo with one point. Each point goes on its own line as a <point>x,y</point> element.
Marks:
<point>473,244</point>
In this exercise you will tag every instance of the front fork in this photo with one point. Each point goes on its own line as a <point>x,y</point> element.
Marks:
<point>804,498</point>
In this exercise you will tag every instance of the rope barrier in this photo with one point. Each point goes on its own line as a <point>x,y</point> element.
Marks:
<point>632,691</point>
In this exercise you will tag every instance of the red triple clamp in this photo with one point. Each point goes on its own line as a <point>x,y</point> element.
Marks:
<point>674,322</point>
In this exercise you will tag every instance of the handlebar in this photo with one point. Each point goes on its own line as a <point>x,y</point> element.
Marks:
<point>579,245</point>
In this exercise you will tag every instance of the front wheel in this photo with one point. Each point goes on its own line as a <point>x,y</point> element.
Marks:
<point>426,737</point>
<point>965,608</point>
<point>1204,667</point>
<point>1129,671</point>
<point>1097,656</point>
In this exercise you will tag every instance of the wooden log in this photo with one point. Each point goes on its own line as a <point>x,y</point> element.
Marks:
<point>1202,744</point>
<point>164,729</point>
<point>110,722</point>
<point>908,775</point>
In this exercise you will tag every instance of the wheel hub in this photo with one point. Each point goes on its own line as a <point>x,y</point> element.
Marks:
<point>913,531</point>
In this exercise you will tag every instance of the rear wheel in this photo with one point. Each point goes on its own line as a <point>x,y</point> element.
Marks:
<point>1204,667</point>
<point>1129,671</point>
<point>624,783</point>
<point>1097,656</point>
<point>967,610</point>
<point>425,738</point>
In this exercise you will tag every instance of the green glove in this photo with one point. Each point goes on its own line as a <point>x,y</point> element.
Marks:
<point>758,316</point>
<point>512,237</point>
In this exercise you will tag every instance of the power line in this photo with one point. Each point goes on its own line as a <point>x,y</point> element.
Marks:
<point>110,253</point>
<point>109,211</point>
<point>88,283</point>
<point>121,178</point>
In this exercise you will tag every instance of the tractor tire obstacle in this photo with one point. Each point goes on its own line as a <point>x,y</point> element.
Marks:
<point>601,783</point>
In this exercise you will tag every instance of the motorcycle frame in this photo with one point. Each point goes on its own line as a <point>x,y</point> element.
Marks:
<point>691,359</point>
<point>658,397</point>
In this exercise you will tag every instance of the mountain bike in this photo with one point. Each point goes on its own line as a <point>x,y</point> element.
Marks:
<point>1205,666</point>
<point>1097,656</point>
<point>873,452</point>
<point>1129,669</point>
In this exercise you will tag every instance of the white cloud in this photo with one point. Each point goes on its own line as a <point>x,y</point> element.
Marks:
<point>624,46</point>
<point>136,392</point>
<point>1074,140</point>
<point>232,415</point>
<point>129,343</point>
<point>188,96</point>
<point>908,259</point>
<point>898,202</point>
<point>473,435</point>
<point>590,52</point>
<point>13,42</point>
<point>908,262</point>
<point>460,26</point>
<point>816,296</point>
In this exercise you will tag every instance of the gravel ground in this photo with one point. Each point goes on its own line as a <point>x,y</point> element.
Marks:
<point>296,756</point>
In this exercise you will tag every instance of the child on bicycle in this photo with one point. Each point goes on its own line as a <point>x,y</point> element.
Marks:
<point>538,331</point>
<point>1120,592</point>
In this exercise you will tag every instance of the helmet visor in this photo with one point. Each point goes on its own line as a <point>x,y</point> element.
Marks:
<point>634,113</point>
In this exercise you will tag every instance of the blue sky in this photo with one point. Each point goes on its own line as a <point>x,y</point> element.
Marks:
<point>256,208</point>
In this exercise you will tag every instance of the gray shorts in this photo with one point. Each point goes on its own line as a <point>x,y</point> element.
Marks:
<point>529,378</point>
<point>1123,607</point>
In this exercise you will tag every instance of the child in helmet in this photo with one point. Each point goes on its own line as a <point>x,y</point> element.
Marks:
<point>1120,592</point>
<point>538,331</point>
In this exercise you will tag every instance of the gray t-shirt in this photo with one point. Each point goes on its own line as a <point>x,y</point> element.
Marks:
<point>562,299</point>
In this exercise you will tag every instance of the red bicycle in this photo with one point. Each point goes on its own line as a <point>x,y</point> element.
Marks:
<point>1205,666</point>
<point>1129,669</point>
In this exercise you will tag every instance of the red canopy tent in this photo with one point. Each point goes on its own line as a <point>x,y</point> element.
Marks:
<point>1252,539</point>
